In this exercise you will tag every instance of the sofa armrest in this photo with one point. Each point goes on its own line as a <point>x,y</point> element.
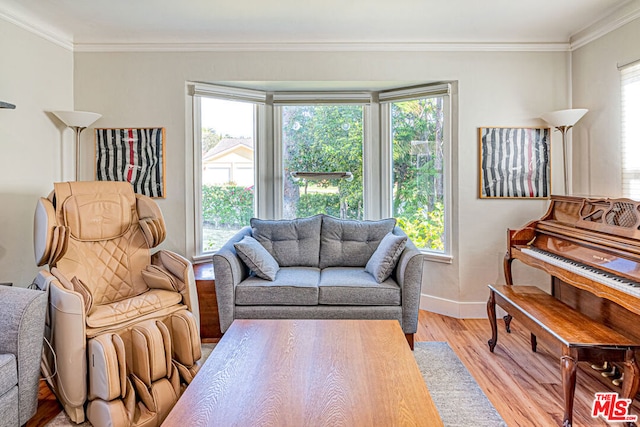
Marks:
<point>229,271</point>
<point>22,316</point>
<point>409,278</point>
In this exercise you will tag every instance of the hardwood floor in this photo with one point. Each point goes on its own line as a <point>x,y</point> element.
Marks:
<point>525,387</point>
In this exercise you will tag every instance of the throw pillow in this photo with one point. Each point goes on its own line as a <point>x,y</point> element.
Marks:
<point>257,258</point>
<point>384,259</point>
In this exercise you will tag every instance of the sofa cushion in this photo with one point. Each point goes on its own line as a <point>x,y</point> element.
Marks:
<point>384,259</point>
<point>292,286</point>
<point>348,243</point>
<point>354,286</point>
<point>293,243</point>
<point>8,372</point>
<point>257,258</point>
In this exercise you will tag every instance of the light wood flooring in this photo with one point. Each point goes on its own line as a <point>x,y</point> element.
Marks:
<point>525,387</point>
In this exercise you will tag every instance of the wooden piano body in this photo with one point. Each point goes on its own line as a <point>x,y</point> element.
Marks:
<point>591,249</point>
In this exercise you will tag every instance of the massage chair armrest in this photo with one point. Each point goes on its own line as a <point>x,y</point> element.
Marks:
<point>67,324</point>
<point>182,271</point>
<point>229,271</point>
<point>408,275</point>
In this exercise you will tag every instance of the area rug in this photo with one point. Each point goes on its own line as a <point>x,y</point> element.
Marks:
<point>459,399</point>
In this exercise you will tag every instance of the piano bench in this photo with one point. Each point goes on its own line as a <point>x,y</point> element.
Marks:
<point>577,336</point>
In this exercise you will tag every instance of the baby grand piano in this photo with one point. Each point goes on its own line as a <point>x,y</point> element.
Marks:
<point>591,249</point>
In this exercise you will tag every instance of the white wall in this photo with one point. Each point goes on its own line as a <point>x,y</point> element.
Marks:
<point>596,86</point>
<point>495,89</point>
<point>37,76</point>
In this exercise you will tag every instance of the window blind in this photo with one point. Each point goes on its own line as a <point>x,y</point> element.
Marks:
<point>406,94</point>
<point>310,98</point>
<point>225,92</point>
<point>630,90</point>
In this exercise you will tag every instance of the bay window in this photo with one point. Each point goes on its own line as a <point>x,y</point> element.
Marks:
<point>352,155</point>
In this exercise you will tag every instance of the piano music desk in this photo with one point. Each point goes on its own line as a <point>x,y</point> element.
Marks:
<point>578,336</point>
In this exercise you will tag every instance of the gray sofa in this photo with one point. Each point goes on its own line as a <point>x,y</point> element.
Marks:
<point>319,267</point>
<point>22,316</point>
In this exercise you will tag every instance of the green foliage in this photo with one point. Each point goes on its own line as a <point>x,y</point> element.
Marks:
<point>324,138</point>
<point>328,138</point>
<point>227,206</point>
<point>314,203</point>
<point>426,228</point>
<point>418,152</point>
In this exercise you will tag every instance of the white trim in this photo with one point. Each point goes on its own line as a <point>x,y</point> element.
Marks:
<point>437,256</point>
<point>324,47</point>
<point>619,17</point>
<point>191,116</point>
<point>371,150</point>
<point>196,180</point>
<point>278,168</point>
<point>457,309</point>
<point>60,39</point>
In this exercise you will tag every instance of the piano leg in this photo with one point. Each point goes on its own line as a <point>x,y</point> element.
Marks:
<point>569,365</point>
<point>491,313</point>
<point>507,323</point>
<point>534,343</point>
<point>506,265</point>
<point>631,377</point>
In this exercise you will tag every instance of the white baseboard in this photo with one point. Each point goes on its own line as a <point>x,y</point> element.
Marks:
<point>457,309</point>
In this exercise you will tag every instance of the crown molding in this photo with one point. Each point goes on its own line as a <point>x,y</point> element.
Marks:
<point>59,39</point>
<point>322,47</point>
<point>619,17</point>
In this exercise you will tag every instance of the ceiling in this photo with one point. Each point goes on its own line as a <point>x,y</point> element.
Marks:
<point>126,22</point>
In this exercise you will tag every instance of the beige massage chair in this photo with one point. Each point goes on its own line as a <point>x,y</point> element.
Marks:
<point>123,323</point>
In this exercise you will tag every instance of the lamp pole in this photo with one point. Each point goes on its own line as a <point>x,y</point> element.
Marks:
<point>565,151</point>
<point>563,120</point>
<point>78,130</point>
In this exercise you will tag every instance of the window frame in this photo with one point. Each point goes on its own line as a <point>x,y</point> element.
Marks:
<point>629,74</point>
<point>268,161</point>
<point>314,99</point>
<point>407,94</point>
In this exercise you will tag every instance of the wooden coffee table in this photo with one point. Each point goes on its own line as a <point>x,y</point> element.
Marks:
<point>308,373</point>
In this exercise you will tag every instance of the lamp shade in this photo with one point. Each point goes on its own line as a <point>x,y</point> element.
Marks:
<point>80,119</point>
<point>564,117</point>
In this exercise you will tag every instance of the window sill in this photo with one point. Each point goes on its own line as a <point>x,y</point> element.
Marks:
<point>434,257</point>
<point>202,258</point>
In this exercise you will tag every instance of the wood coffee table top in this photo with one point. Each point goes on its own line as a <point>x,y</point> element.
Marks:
<point>308,373</point>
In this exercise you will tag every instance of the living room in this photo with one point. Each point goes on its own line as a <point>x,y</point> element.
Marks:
<point>499,81</point>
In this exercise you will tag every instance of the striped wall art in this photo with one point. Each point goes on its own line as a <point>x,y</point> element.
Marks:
<point>132,155</point>
<point>515,162</point>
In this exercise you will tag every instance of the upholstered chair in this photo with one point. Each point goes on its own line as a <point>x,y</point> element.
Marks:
<point>123,321</point>
<point>22,317</point>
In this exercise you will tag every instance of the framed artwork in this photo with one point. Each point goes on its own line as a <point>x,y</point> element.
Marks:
<point>515,162</point>
<point>132,155</point>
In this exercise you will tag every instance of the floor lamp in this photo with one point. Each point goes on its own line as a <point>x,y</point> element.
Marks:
<point>563,120</point>
<point>78,121</point>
